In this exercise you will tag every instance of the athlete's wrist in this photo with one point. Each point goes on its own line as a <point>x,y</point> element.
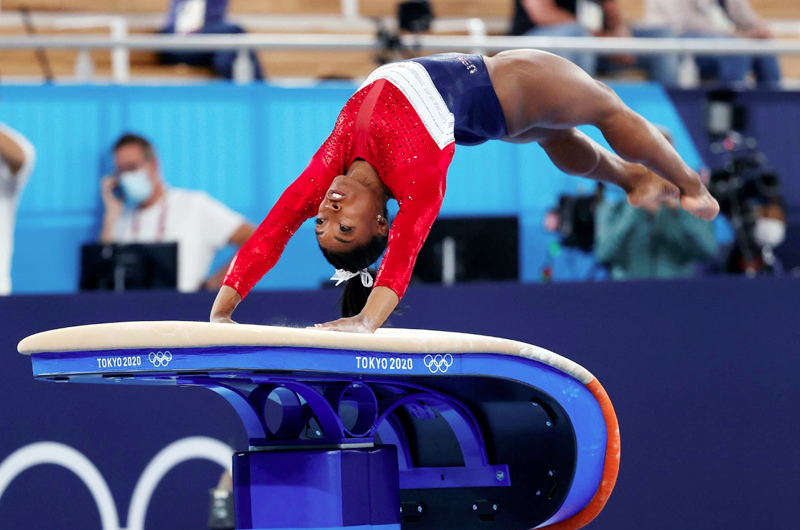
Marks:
<point>380,304</point>
<point>224,305</point>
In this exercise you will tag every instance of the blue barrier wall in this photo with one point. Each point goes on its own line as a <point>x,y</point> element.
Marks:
<point>244,145</point>
<point>702,376</point>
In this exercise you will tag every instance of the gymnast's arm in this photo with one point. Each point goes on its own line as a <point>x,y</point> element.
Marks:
<point>261,252</point>
<point>420,202</point>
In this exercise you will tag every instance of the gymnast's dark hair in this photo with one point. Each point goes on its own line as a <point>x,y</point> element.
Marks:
<point>355,295</point>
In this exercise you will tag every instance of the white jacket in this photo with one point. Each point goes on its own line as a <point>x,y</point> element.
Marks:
<point>702,15</point>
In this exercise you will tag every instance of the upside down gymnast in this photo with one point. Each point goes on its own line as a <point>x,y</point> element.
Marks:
<point>395,139</point>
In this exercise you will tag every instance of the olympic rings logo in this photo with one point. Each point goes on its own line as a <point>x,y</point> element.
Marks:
<point>438,363</point>
<point>160,359</point>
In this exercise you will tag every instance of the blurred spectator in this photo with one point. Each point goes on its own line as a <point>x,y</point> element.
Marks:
<point>657,241</point>
<point>719,19</point>
<point>140,208</point>
<point>753,254</point>
<point>205,17</point>
<point>586,18</point>
<point>17,157</point>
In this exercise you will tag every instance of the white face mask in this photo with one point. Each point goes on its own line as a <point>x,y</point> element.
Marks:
<point>136,187</point>
<point>769,232</point>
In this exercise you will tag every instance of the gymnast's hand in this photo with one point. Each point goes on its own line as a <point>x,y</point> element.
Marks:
<point>356,324</point>
<point>224,305</point>
<point>380,304</point>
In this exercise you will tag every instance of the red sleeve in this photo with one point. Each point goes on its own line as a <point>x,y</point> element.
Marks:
<point>420,202</point>
<point>298,203</point>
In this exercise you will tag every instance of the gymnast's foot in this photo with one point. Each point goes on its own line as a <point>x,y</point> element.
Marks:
<point>649,188</point>
<point>700,204</point>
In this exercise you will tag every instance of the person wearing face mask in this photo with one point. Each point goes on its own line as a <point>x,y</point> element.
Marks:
<point>770,229</point>
<point>141,208</point>
<point>17,157</point>
<point>754,256</point>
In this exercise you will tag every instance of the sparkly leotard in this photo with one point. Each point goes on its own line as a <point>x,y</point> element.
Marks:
<point>399,123</point>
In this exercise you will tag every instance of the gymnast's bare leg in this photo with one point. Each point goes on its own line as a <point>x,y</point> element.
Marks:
<point>544,98</point>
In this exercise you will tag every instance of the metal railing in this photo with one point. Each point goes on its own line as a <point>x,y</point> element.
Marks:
<point>428,43</point>
<point>120,59</point>
<point>477,42</point>
<point>350,21</point>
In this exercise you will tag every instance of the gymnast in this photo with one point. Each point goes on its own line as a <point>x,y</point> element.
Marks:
<point>395,138</point>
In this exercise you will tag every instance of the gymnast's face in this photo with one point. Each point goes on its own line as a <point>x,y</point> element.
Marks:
<point>349,216</point>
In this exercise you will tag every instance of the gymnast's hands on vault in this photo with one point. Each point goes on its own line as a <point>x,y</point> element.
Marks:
<point>380,304</point>
<point>382,301</point>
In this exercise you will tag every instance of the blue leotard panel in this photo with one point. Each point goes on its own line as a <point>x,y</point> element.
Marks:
<point>464,83</point>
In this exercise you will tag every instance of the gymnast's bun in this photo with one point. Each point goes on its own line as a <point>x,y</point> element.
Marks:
<point>360,258</point>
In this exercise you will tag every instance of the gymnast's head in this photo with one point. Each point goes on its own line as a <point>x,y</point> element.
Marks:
<point>353,230</point>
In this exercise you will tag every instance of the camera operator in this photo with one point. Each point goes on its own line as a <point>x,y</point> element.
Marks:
<point>414,17</point>
<point>750,200</point>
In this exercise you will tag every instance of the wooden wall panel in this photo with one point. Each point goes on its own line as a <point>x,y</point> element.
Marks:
<point>160,6</point>
<point>99,6</point>
<point>779,9</point>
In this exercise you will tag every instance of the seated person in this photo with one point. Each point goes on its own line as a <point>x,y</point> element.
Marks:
<point>204,17</point>
<point>656,241</point>
<point>719,19</point>
<point>562,18</point>
<point>150,212</point>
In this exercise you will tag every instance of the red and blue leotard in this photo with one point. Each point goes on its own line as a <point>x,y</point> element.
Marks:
<point>400,123</point>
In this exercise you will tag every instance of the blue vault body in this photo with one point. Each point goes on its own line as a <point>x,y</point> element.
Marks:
<point>442,431</point>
